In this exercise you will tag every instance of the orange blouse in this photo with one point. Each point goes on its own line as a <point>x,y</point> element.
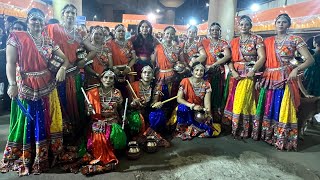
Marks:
<point>212,50</point>
<point>33,76</point>
<point>121,55</point>
<point>194,94</point>
<point>67,44</point>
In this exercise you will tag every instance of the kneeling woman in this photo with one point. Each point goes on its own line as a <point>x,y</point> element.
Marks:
<point>193,97</point>
<point>105,134</point>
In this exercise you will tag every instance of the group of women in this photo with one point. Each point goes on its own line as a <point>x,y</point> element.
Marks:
<point>49,123</point>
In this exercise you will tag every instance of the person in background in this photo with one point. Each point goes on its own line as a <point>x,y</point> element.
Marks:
<point>107,34</point>
<point>53,21</point>
<point>19,26</point>
<point>143,44</point>
<point>8,21</point>
<point>101,61</point>
<point>311,75</point>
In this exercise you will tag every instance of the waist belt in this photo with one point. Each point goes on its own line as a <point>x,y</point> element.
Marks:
<point>165,70</point>
<point>40,73</point>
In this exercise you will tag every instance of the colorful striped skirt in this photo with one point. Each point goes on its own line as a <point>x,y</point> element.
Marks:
<point>276,118</point>
<point>30,141</point>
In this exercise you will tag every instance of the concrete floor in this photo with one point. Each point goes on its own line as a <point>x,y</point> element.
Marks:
<point>215,158</point>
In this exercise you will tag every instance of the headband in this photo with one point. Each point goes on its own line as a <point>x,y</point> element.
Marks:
<point>285,16</point>
<point>199,65</point>
<point>120,27</point>
<point>146,68</point>
<point>108,73</point>
<point>37,15</point>
<point>245,19</point>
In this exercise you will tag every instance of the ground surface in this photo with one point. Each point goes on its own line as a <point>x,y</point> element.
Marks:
<point>204,159</point>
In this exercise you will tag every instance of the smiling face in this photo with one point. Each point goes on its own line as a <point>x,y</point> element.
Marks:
<point>198,71</point>
<point>169,34</point>
<point>282,24</point>
<point>144,29</point>
<point>98,35</point>
<point>215,31</point>
<point>35,23</point>
<point>244,26</point>
<point>69,15</point>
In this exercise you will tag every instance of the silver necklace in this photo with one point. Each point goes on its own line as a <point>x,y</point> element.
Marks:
<point>280,43</point>
<point>68,33</point>
<point>244,41</point>
<point>37,41</point>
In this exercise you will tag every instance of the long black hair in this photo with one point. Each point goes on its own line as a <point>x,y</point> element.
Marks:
<point>149,40</point>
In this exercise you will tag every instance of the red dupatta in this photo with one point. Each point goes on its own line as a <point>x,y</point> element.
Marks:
<point>58,34</point>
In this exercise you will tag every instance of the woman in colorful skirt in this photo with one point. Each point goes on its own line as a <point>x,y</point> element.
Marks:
<point>312,81</point>
<point>168,59</point>
<point>67,36</point>
<point>101,61</point>
<point>123,56</point>
<point>279,96</point>
<point>143,44</point>
<point>192,50</point>
<point>140,124</point>
<point>36,119</point>
<point>105,133</point>
<point>218,53</point>
<point>194,98</point>
<point>248,56</point>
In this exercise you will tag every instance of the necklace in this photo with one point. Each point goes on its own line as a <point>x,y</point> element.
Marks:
<point>146,91</point>
<point>121,43</point>
<point>188,46</point>
<point>280,43</point>
<point>196,86</point>
<point>103,96</point>
<point>38,41</point>
<point>244,41</point>
<point>68,33</point>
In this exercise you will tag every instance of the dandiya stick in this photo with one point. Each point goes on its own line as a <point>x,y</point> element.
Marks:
<point>165,101</point>
<point>87,99</point>
<point>131,89</point>
<point>124,113</point>
<point>283,81</point>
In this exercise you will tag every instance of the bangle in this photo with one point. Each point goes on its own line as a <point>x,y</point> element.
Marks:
<point>13,83</point>
<point>253,69</point>
<point>63,67</point>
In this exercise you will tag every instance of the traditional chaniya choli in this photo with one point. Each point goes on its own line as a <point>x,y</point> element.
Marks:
<point>278,102</point>
<point>241,103</point>
<point>35,119</point>
<point>216,77</point>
